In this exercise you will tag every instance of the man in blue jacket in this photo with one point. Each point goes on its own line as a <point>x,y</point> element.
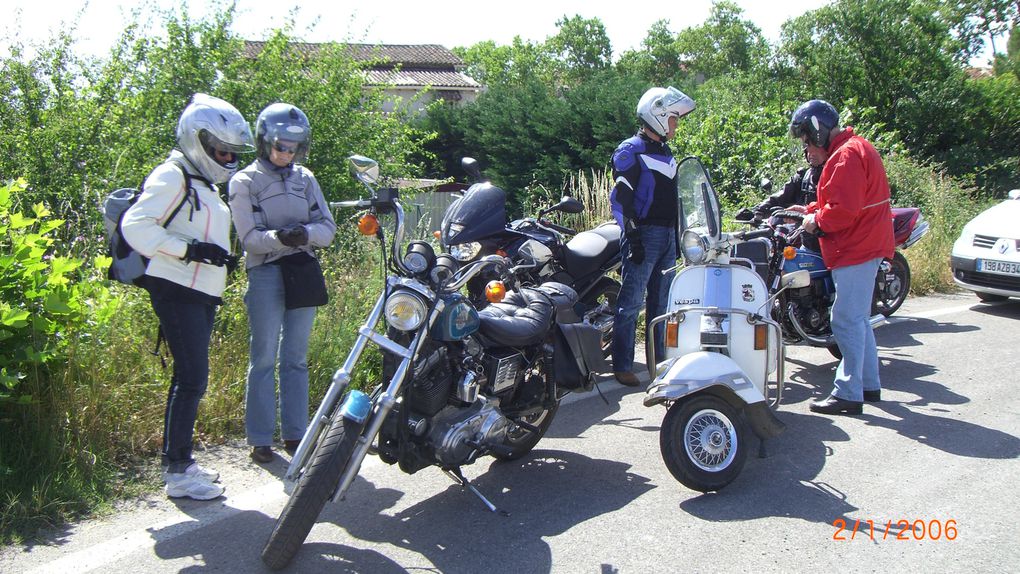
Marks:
<point>645,204</point>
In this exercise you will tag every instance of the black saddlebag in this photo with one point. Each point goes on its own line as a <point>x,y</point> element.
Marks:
<point>577,355</point>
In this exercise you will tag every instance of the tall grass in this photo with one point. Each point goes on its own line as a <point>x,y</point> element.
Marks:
<point>94,431</point>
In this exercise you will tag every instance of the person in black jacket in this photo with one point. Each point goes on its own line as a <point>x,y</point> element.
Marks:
<point>800,190</point>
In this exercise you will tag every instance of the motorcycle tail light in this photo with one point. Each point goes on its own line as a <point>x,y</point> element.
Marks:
<point>789,252</point>
<point>761,336</point>
<point>672,334</point>
<point>495,291</point>
<point>368,224</point>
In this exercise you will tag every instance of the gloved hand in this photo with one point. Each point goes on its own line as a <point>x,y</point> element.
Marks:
<point>209,253</point>
<point>293,236</point>
<point>635,248</point>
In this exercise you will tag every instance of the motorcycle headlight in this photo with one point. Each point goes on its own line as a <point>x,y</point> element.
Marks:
<point>405,311</point>
<point>466,251</point>
<point>694,247</point>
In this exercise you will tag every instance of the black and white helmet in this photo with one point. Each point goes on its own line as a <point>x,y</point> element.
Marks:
<point>814,119</point>
<point>208,125</point>
<point>286,123</point>
<point>658,104</point>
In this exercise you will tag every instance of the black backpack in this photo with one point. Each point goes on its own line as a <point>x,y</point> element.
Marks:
<point>127,265</point>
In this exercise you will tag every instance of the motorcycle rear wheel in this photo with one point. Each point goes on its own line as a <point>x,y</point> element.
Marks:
<point>314,488</point>
<point>605,294</point>
<point>522,440</point>
<point>892,289</point>
<point>703,442</point>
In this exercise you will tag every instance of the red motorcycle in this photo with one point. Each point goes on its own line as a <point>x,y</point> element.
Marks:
<point>893,280</point>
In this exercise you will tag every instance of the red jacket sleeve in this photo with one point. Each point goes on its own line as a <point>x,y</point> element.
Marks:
<point>845,191</point>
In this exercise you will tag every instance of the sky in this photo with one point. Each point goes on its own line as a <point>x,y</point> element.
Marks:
<point>446,22</point>
<point>449,23</point>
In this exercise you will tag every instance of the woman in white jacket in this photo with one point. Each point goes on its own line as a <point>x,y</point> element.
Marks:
<point>184,230</point>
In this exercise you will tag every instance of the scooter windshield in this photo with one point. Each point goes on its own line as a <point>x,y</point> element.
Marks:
<point>699,205</point>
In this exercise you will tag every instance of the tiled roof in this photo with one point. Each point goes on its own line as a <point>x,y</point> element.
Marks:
<point>421,56</point>
<point>438,79</point>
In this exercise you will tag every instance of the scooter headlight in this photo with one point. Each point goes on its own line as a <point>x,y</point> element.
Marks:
<point>405,311</point>
<point>694,247</point>
<point>466,251</point>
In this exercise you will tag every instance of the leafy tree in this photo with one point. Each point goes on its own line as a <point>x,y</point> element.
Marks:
<point>581,45</point>
<point>724,43</point>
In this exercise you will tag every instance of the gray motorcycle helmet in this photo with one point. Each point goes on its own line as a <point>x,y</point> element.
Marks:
<point>210,124</point>
<point>282,122</point>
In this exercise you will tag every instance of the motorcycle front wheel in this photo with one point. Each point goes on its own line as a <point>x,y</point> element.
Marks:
<point>703,441</point>
<point>892,285</point>
<point>314,488</point>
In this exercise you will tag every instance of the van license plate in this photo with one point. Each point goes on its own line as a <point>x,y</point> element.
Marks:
<point>1000,267</point>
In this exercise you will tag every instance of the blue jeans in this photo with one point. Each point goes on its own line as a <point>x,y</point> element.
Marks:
<point>275,332</point>
<point>643,283</point>
<point>187,328</point>
<point>858,371</point>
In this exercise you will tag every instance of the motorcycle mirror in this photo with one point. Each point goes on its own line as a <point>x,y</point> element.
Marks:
<point>365,169</point>
<point>470,166</point>
<point>766,184</point>
<point>569,205</point>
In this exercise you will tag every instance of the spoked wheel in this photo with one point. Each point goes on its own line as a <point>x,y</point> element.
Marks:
<point>600,305</point>
<point>703,441</point>
<point>314,488</point>
<point>892,284</point>
<point>521,439</point>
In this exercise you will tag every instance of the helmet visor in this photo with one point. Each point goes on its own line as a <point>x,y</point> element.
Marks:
<point>674,103</point>
<point>211,142</point>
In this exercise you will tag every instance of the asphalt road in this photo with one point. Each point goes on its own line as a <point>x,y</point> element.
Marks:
<point>939,453</point>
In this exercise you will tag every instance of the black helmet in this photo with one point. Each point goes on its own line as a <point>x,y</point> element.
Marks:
<point>282,122</point>
<point>814,119</point>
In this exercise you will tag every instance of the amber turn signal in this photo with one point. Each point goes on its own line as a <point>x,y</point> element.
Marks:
<point>368,224</point>
<point>437,234</point>
<point>672,334</point>
<point>495,291</point>
<point>789,252</point>
<point>761,336</point>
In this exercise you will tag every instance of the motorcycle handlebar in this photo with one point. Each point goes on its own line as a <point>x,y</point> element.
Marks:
<point>560,228</point>
<point>753,234</point>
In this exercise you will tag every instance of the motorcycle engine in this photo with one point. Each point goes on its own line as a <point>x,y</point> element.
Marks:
<point>458,435</point>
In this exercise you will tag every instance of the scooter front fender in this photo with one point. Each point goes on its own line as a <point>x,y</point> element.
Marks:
<point>698,371</point>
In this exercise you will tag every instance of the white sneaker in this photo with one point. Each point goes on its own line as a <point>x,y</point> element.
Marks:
<point>180,485</point>
<point>196,471</point>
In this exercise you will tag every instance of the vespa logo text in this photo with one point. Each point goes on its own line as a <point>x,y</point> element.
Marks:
<point>694,301</point>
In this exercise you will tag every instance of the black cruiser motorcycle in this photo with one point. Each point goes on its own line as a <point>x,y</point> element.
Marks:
<point>476,226</point>
<point>458,383</point>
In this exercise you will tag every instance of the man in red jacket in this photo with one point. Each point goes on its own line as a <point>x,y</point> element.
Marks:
<point>855,218</point>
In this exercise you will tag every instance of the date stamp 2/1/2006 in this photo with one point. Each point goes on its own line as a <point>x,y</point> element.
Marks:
<point>901,529</point>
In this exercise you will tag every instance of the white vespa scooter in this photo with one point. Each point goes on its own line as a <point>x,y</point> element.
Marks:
<point>723,369</point>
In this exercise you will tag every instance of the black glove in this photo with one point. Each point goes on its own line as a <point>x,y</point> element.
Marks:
<point>293,236</point>
<point>209,253</point>
<point>635,248</point>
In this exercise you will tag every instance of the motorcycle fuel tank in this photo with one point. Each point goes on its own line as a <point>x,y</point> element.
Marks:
<point>457,321</point>
<point>481,213</point>
<point>806,259</point>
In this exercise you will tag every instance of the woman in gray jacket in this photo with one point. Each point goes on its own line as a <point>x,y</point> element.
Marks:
<point>280,214</point>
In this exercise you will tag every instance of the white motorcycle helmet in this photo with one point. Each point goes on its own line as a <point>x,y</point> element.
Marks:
<point>658,104</point>
<point>209,125</point>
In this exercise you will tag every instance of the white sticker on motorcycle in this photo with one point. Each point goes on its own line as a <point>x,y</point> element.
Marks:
<point>748,292</point>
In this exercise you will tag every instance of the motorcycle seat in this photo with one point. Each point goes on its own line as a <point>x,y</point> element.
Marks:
<point>520,320</point>
<point>589,250</point>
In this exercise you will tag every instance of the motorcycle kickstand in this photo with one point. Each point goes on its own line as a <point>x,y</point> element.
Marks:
<point>762,450</point>
<point>595,384</point>
<point>458,477</point>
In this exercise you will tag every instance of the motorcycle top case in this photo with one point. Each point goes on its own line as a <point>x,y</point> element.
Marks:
<point>481,213</point>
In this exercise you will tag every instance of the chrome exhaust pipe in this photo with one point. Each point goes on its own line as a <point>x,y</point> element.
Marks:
<point>830,340</point>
